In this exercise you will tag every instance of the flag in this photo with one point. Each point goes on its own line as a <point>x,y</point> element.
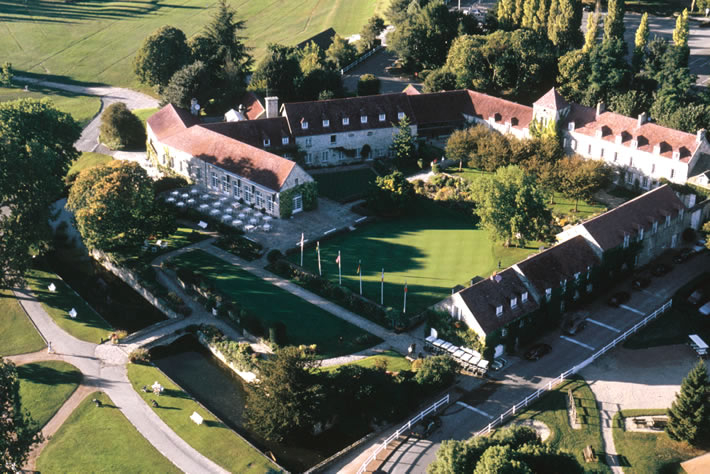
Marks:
<point>302,236</point>
<point>318,251</point>
<point>337,260</point>
<point>405,286</point>
<point>358,267</point>
<point>383,274</point>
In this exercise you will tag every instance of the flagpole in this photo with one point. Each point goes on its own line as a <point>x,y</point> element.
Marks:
<point>405,298</point>
<point>318,249</point>
<point>359,270</point>
<point>301,248</point>
<point>340,276</point>
<point>382,288</point>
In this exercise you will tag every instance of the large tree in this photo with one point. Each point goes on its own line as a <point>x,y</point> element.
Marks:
<point>369,33</point>
<point>115,206</point>
<point>278,73</point>
<point>391,194</point>
<point>18,432</point>
<point>563,27</point>
<point>580,179</point>
<point>161,55</point>
<point>681,31</point>
<point>512,206</point>
<point>190,82</point>
<point>121,128</point>
<point>341,52</point>
<point>689,415</point>
<point>403,143</point>
<point>614,21</point>
<point>640,43</point>
<point>479,147</point>
<point>36,149</point>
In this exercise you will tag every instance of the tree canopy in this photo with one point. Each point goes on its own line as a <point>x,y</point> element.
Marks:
<point>689,415</point>
<point>340,53</point>
<point>161,55</point>
<point>369,33</point>
<point>121,129</point>
<point>580,179</point>
<point>278,73</point>
<point>192,81</point>
<point>391,194</point>
<point>18,432</point>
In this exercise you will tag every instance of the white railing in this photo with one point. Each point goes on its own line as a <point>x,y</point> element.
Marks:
<point>361,59</point>
<point>403,429</point>
<point>558,380</point>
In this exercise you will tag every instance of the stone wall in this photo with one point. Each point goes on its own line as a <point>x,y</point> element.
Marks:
<point>248,377</point>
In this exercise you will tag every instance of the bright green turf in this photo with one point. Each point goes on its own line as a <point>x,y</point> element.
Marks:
<point>95,41</point>
<point>212,438</point>
<point>17,333</point>
<point>345,186</point>
<point>82,107</point>
<point>305,323</point>
<point>45,386</point>
<point>97,439</point>
<point>88,325</point>
<point>396,362</point>
<point>88,160</point>
<point>433,251</point>
<point>143,114</point>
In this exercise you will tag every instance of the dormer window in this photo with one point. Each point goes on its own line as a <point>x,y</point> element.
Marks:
<point>382,117</point>
<point>655,227</point>
<point>400,115</point>
<point>668,221</point>
<point>499,310</point>
<point>346,121</point>
<point>304,125</point>
<point>576,276</point>
<point>548,293</point>
<point>634,144</point>
<point>627,240</point>
<point>563,284</point>
<point>681,213</point>
<point>363,119</point>
<point>326,123</point>
<point>267,142</point>
<point>641,234</point>
<point>524,297</point>
<point>513,303</point>
<point>284,141</point>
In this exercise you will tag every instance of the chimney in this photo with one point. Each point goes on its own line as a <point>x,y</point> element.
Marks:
<point>642,118</point>
<point>700,135</point>
<point>600,108</point>
<point>272,107</point>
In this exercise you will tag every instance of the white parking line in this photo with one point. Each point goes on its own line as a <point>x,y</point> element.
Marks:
<point>586,346</point>
<point>611,328</point>
<point>480,412</point>
<point>633,310</point>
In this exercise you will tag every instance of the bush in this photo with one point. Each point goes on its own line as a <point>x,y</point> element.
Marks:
<point>121,129</point>
<point>240,246</point>
<point>168,183</point>
<point>277,333</point>
<point>435,168</point>
<point>437,372</point>
<point>139,356</point>
<point>689,235</point>
<point>274,255</point>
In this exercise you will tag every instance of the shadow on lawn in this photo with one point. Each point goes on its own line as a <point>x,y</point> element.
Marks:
<point>41,374</point>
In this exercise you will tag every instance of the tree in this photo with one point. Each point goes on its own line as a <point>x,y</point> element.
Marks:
<point>563,27</point>
<point>440,80</point>
<point>689,415</point>
<point>580,178</point>
<point>506,14</point>
<point>115,206</point>
<point>573,77</point>
<point>320,84</point>
<point>340,53</point>
<point>681,31</point>
<point>6,74</point>
<point>511,206</point>
<point>368,84</point>
<point>540,20</point>
<point>18,431</point>
<point>121,129</point>
<point>369,33</point>
<point>391,194</point>
<point>609,72</point>
<point>640,42</point>
<point>36,149</point>
<point>312,57</point>
<point>500,460</point>
<point>614,21</point>
<point>285,403</point>
<point>190,82</point>
<point>437,372</point>
<point>278,72</point>
<point>630,103</point>
<point>403,145</point>
<point>529,13</point>
<point>397,11</point>
<point>479,147</point>
<point>590,37</point>
<point>161,55</point>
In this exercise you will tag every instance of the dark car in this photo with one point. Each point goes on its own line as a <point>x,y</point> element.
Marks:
<point>498,364</point>
<point>660,269</point>
<point>640,282</point>
<point>617,299</point>
<point>574,324</point>
<point>683,255</point>
<point>537,351</point>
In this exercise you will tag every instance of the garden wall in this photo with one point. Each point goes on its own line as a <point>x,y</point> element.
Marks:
<point>248,377</point>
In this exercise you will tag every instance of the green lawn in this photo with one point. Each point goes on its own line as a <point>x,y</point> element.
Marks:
<point>643,453</point>
<point>95,41</point>
<point>433,251</point>
<point>344,186</point>
<point>88,325</point>
<point>305,323</point>
<point>551,409</point>
<point>395,361</point>
<point>45,386</point>
<point>17,333</point>
<point>97,439</point>
<point>143,114</point>
<point>212,438</point>
<point>82,107</point>
<point>88,160</point>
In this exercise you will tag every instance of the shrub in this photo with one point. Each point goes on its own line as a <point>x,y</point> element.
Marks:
<point>121,129</point>
<point>435,168</point>
<point>274,255</point>
<point>139,356</point>
<point>240,246</point>
<point>437,372</point>
<point>689,235</point>
<point>368,84</point>
<point>168,183</point>
<point>277,333</point>
<point>252,324</point>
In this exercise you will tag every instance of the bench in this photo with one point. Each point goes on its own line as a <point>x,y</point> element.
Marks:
<point>589,454</point>
<point>660,423</point>
<point>640,421</point>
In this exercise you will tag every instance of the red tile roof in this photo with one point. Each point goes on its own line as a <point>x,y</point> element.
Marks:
<point>170,120</point>
<point>552,100</point>
<point>254,132</point>
<point>253,107</point>
<point>502,110</point>
<point>647,135</point>
<point>411,90</point>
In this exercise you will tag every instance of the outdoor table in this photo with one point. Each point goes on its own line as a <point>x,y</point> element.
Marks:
<point>237,223</point>
<point>222,200</point>
<point>467,357</point>
<point>204,206</point>
<point>267,218</point>
<point>184,195</point>
<point>459,354</point>
<point>475,358</point>
<point>248,227</point>
<point>247,210</point>
<point>205,196</point>
<point>194,191</point>
<point>236,205</point>
<point>226,217</point>
<point>242,215</point>
<point>216,204</point>
<point>482,364</point>
<point>175,193</point>
<point>170,199</point>
<point>180,204</point>
<point>445,346</point>
<point>253,221</point>
<point>452,348</point>
<point>267,228</point>
<point>191,201</point>
<point>227,210</point>
<point>214,212</point>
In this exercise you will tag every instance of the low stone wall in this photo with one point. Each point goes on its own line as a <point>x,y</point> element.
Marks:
<point>132,280</point>
<point>248,377</point>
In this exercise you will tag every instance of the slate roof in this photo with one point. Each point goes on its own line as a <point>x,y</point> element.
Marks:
<point>441,107</point>
<point>254,132</point>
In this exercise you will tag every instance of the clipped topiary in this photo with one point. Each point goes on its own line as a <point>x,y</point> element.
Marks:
<point>121,129</point>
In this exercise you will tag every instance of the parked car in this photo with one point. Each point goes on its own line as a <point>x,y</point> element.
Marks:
<point>574,324</point>
<point>705,309</point>
<point>660,269</point>
<point>640,282</point>
<point>537,351</point>
<point>619,298</point>
<point>695,297</point>
<point>683,255</point>
<point>425,427</point>
<point>699,246</point>
<point>498,363</point>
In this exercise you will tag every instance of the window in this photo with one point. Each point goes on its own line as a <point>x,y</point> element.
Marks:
<point>297,203</point>
<point>247,193</point>
<point>267,142</point>
<point>304,125</point>
<point>601,152</point>
<point>574,144</point>
<point>309,141</point>
<point>504,332</point>
<point>198,174</point>
<point>259,199</point>
<point>589,149</point>
<point>324,157</point>
<point>672,173</point>
<point>346,121</point>
<point>326,123</point>
<point>589,287</point>
<point>616,156</point>
<point>576,276</point>
<point>627,239</point>
<point>513,303</point>
<point>382,117</point>
<point>284,141</point>
<point>548,294</point>
<point>631,161</point>
<point>645,182</point>
<point>309,158</point>
<point>296,181</point>
<point>653,168</point>
<point>681,213</point>
<point>668,221</point>
<point>369,134</point>
<point>333,138</point>
<point>363,119</point>
<point>225,183</point>
<point>270,203</point>
<point>215,183</point>
<point>524,297</point>
<point>400,115</point>
<point>655,227</point>
<point>641,234</point>
<point>236,189</point>
<point>564,142</point>
<point>499,310</point>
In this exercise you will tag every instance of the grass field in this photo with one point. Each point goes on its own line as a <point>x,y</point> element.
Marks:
<point>88,160</point>
<point>305,323</point>
<point>88,325</point>
<point>97,439</point>
<point>643,453</point>
<point>45,386</point>
<point>143,114</point>
<point>345,186</point>
<point>212,438</point>
<point>433,251</point>
<point>395,361</point>
<point>82,107</point>
<point>95,41</point>
<point>17,333</point>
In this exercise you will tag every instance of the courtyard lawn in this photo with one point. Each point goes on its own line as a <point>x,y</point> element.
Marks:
<point>17,333</point>
<point>552,410</point>
<point>82,107</point>
<point>345,186</point>
<point>305,323</point>
<point>143,114</point>
<point>88,160</point>
<point>433,251</point>
<point>45,386</point>
<point>395,362</point>
<point>642,453</point>
<point>97,439</point>
<point>95,42</point>
<point>88,325</point>
<point>212,438</point>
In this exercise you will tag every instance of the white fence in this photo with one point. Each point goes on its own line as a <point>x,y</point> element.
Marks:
<point>361,59</point>
<point>403,429</point>
<point>558,380</point>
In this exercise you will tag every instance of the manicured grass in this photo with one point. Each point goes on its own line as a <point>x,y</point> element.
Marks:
<point>45,386</point>
<point>95,41</point>
<point>345,186</point>
<point>305,323</point>
<point>433,251</point>
<point>88,160</point>
<point>643,453</point>
<point>82,107</point>
<point>212,438</point>
<point>97,439</point>
<point>17,333</point>
<point>551,409</point>
<point>143,114</point>
<point>88,325</point>
<point>395,361</point>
